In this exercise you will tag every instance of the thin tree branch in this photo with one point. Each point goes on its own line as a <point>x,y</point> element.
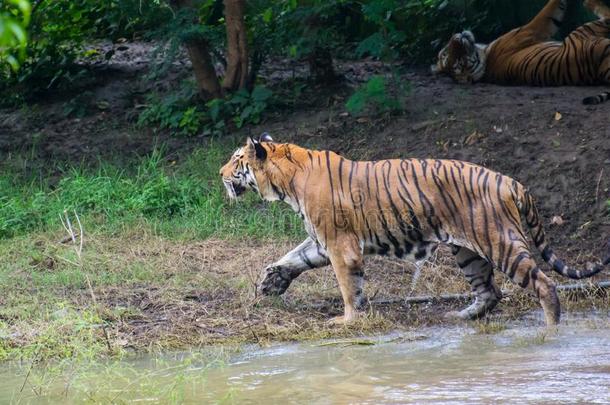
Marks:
<point>423,299</point>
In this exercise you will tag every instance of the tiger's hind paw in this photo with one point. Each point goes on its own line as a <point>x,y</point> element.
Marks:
<point>598,8</point>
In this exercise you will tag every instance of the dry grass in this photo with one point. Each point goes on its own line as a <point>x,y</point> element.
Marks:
<point>156,294</point>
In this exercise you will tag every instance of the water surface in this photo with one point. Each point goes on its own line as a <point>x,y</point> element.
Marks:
<point>450,364</point>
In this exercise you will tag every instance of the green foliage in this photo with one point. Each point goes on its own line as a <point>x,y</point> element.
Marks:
<point>414,28</point>
<point>316,24</point>
<point>58,30</point>
<point>14,18</point>
<point>241,108</point>
<point>175,111</point>
<point>374,95</point>
<point>183,199</point>
<point>182,113</point>
<point>183,26</point>
<point>384,43</point>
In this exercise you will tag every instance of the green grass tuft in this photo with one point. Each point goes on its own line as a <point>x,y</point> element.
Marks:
<point>177,200</point>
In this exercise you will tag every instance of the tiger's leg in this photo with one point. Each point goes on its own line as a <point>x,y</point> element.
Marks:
<point>598,8</point>
<point>591,30</point>
<point>546,23</point>
<point>308,255</point>
<point>479,273</point>
<point>347,261</point>
<point>522,270</point>
<point>594,29</point>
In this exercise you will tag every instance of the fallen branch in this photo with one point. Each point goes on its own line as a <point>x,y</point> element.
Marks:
<point>345,343</point>
<point>423,299</point>
<point>584,287</point>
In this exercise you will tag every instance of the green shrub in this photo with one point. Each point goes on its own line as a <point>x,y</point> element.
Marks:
<point>374,96</point>
<point>182,113</point>
<point>241,108</point>
<point>385,43</point>
<point>175,111</point>
<point>58,30</point>
<point>14,17</point>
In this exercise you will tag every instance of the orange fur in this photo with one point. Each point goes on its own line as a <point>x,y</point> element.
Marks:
<point>404,207</point>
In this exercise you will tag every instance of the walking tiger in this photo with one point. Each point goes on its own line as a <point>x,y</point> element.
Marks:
<point>404,207</point>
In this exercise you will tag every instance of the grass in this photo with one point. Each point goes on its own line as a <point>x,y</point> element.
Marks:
<point>184,200</point>
<point>489,327</point>
<point>130,214</point>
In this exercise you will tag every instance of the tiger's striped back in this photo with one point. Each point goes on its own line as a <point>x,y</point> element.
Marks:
<point>404,207</point>
<point>575,61</point>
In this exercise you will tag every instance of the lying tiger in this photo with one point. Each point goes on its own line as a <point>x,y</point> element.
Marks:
<point>404,207</point>
<point>527,55</point>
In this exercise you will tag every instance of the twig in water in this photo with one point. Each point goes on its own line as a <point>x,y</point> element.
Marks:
<point>27,376</point>
<point>345,343</point>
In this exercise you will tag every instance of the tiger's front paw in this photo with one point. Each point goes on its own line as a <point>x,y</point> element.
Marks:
<point>276,281</point>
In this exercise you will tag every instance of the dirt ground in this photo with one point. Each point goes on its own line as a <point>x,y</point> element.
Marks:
<point>544,137</point>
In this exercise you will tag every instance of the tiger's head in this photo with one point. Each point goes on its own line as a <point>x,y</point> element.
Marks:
<point>462,59</point>
<point>248,169</point>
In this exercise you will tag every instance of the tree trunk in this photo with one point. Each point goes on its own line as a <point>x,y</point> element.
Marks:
<point>205,74</point>
<point>198,50</point>
<point>236,76</point>
<point>321,67</point>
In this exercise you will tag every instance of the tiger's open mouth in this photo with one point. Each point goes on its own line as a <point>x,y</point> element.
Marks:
<point>239,189</point>
<point>234,190</point>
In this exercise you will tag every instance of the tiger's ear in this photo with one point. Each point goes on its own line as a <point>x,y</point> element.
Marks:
<point>258,149</point>
<point>265,137</point>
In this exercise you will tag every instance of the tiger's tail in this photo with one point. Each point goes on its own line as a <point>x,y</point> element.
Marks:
<point>530,212</point>
<point>598,99</point>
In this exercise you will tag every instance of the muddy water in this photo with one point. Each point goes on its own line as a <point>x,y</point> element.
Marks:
<point>450,364</point>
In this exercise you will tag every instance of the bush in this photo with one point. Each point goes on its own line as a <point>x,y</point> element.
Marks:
<point>58,30</point>
<point>374,96</point>
<point>182,112</point>
<point>14,17</point>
